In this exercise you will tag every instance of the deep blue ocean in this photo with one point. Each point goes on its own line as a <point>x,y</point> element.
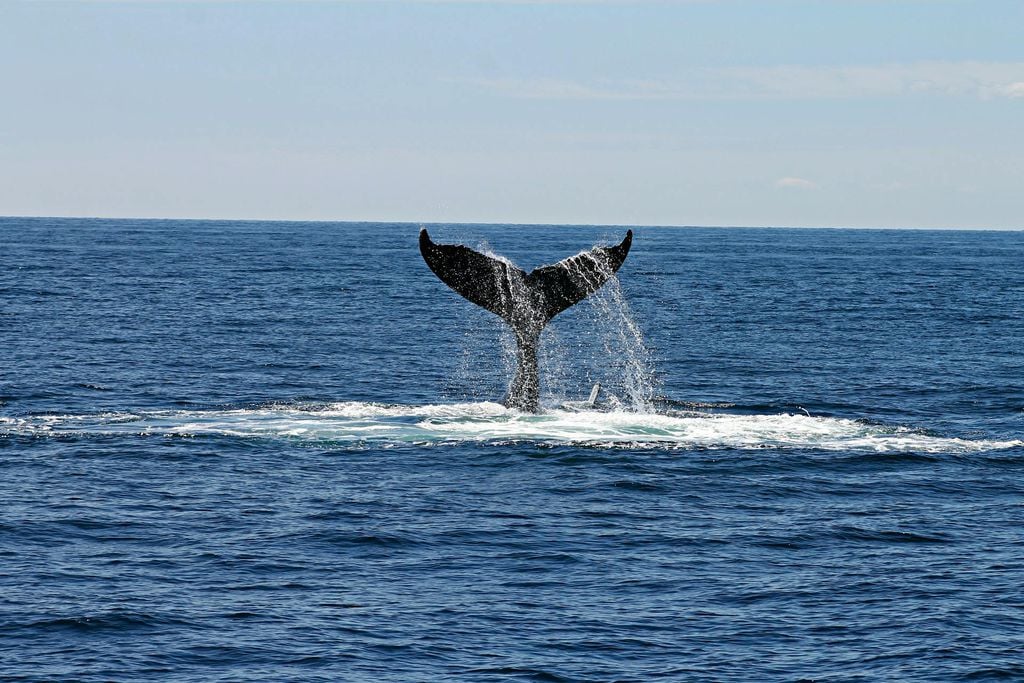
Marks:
<point>271,451</point>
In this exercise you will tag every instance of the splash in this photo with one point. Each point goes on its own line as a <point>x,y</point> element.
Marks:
<point>623,344</point>
<point>596,341</point>
<point>357,424</point>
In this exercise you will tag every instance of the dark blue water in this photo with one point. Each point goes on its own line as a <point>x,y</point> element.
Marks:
<point>270,452</point>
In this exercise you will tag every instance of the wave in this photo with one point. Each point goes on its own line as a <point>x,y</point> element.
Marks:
<point>359,423</point>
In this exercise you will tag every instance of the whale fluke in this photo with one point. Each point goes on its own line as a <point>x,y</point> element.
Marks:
<point>527,302</point>
<point>484,280</point>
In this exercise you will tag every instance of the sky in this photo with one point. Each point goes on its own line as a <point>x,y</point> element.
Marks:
<point>831,113</point>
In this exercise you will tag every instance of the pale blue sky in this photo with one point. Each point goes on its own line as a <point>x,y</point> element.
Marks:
<point>798,113</point>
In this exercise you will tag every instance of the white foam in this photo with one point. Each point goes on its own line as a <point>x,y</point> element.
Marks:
<point>383,424</point>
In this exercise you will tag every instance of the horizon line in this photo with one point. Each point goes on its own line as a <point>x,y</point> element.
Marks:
<point>517,224</point>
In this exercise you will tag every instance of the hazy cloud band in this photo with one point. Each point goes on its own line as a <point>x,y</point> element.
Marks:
<point>984,80</point>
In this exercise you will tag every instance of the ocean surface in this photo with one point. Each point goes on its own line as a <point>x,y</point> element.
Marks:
<point>269,451</point>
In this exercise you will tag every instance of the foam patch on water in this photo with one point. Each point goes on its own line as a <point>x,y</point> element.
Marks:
<point>357,423</point>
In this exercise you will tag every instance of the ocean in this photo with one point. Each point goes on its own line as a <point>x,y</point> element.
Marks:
<point>275,451</point>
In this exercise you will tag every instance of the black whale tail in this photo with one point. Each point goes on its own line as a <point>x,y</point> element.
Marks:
<point>527,302</point>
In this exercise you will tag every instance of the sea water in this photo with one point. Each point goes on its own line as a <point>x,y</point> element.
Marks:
<point>255,451</point>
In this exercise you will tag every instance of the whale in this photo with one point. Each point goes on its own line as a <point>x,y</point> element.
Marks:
<point>526,301</point>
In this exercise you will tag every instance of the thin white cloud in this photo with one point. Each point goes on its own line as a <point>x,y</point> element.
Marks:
<point>892,186</point>
<point>1013,89</point>
<point>545,2</point>
<point>984,80</point>
<point>393,2</point>
<point>796,183</point>
<point>560,89</point>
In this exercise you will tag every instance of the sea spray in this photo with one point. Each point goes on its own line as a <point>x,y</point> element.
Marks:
<point>480,373</point>
<point>610,348</point>
<point>599,342</point>
<point>355,425</point>
<point>623,344</point>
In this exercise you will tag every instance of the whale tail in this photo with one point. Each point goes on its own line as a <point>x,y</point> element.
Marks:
<point>526,301</point>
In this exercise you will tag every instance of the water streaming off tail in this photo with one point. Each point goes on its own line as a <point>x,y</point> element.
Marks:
<point>596,341</point>
<point>514,295</point>
<point>599,340</point>
<point>630,371</point>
